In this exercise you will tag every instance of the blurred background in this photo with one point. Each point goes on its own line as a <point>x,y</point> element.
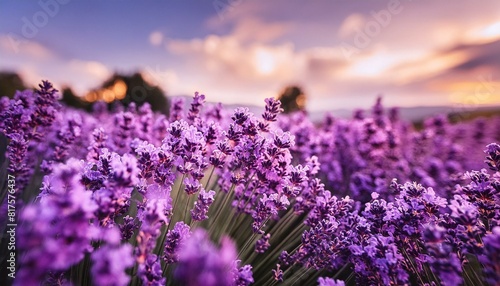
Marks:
<point>424,56</point>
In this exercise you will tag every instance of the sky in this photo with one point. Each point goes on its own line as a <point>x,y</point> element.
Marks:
<point>342,53</point>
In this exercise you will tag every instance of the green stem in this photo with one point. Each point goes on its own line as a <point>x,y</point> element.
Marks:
<point>209,177</point>
<point>176,199</point>
<point>247,244</point>
<point>302,272</point>
<point>219,210</point>
<point>186,209</point>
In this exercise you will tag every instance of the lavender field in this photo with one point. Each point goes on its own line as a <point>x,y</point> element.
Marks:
<point>212,196</point>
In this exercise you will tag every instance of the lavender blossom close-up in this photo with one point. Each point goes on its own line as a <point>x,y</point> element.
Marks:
<point>249,142</point>
<point>244,199</point>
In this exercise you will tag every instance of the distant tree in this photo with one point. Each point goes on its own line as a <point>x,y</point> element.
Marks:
<point>71,99</point>
<point>134,88</point>
<point>139,91</point>
<point>9,83</point>
<point>292,99</point>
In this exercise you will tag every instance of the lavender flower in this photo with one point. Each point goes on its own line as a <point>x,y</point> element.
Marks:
<point>278,273</point>
<point>198,101</point>
<point>325,281</point>
<point>200,210</point>
<point>16,152</point>
<point>177,109</point>
<point>175,238</point>
<point>441,258</point>
<point>129,226</point>
<point>56,232</point>
<point>122,135</point>
<point>150,272</point>
<point>327,192</point>
<point>493,159</point>
<point>272,109</point>
<point>491,257</point>
<point>200,262</point>
<point>124,169</point>
<point>152,215</point>
<point>110,263</point>
<point>244,276</point>
<point>262,244</point>
<point>45,104</point>
<point>481,192</point>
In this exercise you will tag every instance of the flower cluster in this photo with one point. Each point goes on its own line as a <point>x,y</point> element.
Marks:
<point>24,120</point>
<point>206,196</point>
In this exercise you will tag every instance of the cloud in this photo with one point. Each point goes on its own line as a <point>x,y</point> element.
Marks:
<point>481,55</point>
<point>254,30</point>
<point>323,64</point>
<point>226,55</point>
<point>226,66</point>
<point>156,38</point>
<point>14,46</point>
<point>78,74</point>
<point>428,67</point>
<point>351,24</point>
<point>252,49</point>
<point>257,57</point>
<point>158,77</point>
<point>258,47</point>
<point>30,75</point>
<point>35,62</point>
<point>473,82</point>
<point>453,62</point>
<point>232,11</point>
<point>491,32</point>
<point>221,66</point>
<point>92,69</point>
